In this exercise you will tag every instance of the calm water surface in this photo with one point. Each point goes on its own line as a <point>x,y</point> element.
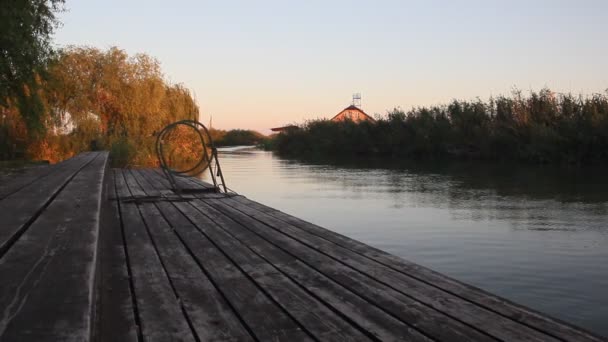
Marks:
<point>535,235</point>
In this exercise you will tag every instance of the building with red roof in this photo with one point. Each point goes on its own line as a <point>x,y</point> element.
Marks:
<point>354,114</point>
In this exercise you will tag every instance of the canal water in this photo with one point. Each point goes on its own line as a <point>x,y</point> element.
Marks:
<point>535,235</point>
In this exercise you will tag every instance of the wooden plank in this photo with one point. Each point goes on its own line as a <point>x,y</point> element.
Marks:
<point>195,183</point>
<point>210,314</point>
<point>316,318</point>
<point>20,209</point>
<point>145,183</point>
<point>242,294</point>
<point>327,294</point>
<point>10,184</point>
<point>134,188</point>
<point>469,313</point>
<point>160,314</point>
<point>160,183</point>
<point>156,176</point>
<point>48,277</point>
<point>432,322</point>
<point>186,182</point>
<point>116,316</point>
<point>526,316</point>
<point>15,183</point>
<point>262,316</point>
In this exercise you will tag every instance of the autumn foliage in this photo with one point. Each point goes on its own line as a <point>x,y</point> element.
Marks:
<point>96,99</point>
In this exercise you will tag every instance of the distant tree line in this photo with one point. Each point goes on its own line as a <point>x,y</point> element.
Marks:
<point>236,137</point>
<point>542,127</point>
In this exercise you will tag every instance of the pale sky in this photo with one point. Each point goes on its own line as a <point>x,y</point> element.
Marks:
<point>261,64</point>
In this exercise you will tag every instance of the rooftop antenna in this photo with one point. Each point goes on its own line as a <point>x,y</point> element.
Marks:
<point>357,100</point>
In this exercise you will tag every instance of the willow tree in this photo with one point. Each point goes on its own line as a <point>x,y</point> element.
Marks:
<point>26,27</point>
<point>117,100</point>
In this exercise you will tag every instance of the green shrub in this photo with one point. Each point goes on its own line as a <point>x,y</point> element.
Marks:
<point>121,152</point>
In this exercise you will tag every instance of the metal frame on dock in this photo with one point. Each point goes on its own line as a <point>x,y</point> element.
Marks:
<point>207,161</point>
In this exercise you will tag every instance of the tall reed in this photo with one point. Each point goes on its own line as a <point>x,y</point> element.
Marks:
<point>541,127</point>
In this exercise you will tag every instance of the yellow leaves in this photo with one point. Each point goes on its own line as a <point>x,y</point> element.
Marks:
<point>103,96</point>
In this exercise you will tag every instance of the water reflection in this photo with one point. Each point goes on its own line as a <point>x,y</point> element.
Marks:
<point>536,235</point>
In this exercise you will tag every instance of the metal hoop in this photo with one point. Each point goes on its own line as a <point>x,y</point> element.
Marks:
<point>205,161</point>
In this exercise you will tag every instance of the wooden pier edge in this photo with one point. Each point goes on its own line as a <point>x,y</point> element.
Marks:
<point>505,307</point>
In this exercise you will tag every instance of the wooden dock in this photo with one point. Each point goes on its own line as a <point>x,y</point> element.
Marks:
<point>89,253</point>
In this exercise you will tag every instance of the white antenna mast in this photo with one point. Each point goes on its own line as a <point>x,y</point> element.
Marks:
<point>357,100</point>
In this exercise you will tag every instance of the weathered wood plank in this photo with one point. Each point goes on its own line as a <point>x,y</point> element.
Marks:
<point>183,183</point>
<point>243,294</point>
<point>145,183</point>
<point>375,323</point>
<point>161,184</point>
<point>312,314</point>
<point>160,314</point>
<point>432,322</point>
<point>235,287</point>
<point>46,292</point>
<point>469,313</point>
<point>186,182</point>
<point>10,184</point>
<point>210,314</point>
<point>156,176</point>
<point>15,183</point>
<point>116,317</point>
<point>134,188</point>
<point>506,308</point>
<point>263,317</point>
<point>21,208</point>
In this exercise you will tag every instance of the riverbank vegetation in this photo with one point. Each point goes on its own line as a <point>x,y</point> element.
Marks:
<point>56,103</point>
<point>96,99</point>
<point>542,127</point>
<point>236,137</point>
